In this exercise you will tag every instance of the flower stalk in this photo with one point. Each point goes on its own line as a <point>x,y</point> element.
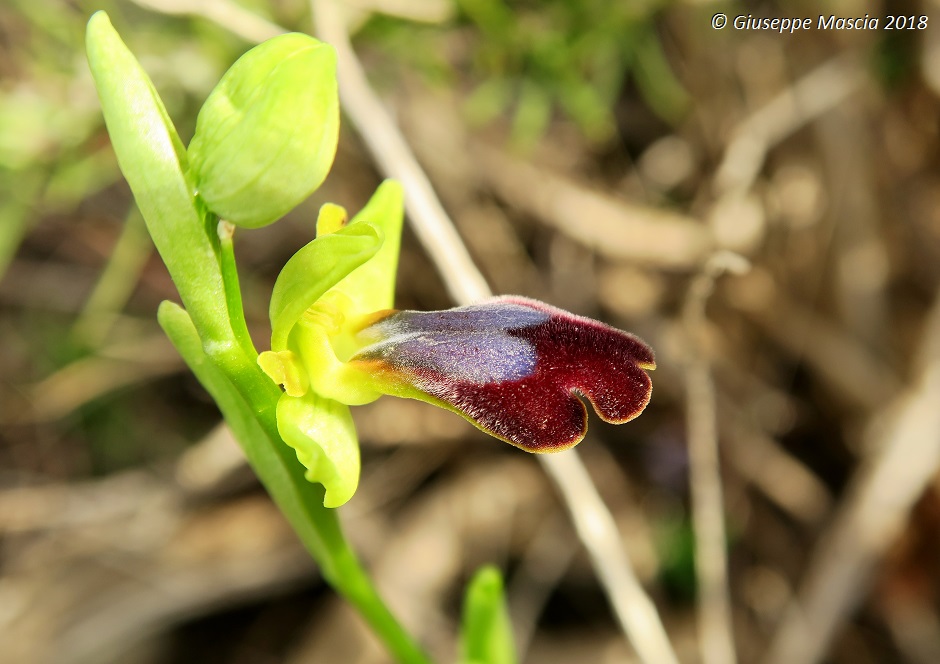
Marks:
<point>210,334</point>
<point>516,368</point>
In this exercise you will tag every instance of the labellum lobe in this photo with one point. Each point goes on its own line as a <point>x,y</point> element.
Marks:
<point>512,366</point>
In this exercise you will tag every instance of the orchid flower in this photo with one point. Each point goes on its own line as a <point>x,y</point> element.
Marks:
<point>512,366</point>
<point>264,140</point>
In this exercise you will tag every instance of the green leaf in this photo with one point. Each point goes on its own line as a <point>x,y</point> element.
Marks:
<point>371,287</point>
<point>313,270</point>
<point>486,633</point>
<point>153,160</point>
<point>656,80</point>
<point>19,196</point>
<point>532,116</point>
<point>274,462</point>
<point>323,434</point>
<point>300,501</point>
<point>266,137</point>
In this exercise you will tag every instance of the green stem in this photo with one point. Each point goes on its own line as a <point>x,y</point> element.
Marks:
<point>211,333</point>
<point>320,529</point>
<point>233,292</point>
<point>322,534</point>
<point>116,283</point>
<point>248,400</point>
<point>355,584</point>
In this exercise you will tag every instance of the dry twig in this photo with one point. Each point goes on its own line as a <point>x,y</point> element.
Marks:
<point>905,440</point>
<point>593,521</point>
<point>822,89</point>
<point>711,564</point>
<point>613,228</point>
<point>780,476</point>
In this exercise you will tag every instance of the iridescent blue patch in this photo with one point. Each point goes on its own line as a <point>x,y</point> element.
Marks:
<point>466,344</point>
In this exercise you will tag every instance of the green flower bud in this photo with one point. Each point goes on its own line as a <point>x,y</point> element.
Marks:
<point>266,136</point>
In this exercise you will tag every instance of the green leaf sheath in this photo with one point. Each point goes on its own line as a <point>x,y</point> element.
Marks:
<point>210,334</point>
<point>486,634</point>
<point>301,502</point>
<point>274,462</point>
<point>153,161</point>
<point>233,291</point>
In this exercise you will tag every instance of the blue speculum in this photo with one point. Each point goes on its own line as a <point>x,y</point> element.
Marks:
<point>514,367</point>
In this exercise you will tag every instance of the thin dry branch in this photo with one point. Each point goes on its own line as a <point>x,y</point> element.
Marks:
<point>231,16</point>
<point>613,228</point>
<point>711,563</point>
<point>905,440</point>
<point>395,159</point>
<point>736,216</point>
<point>593,521</point>
<point>598,531</point>
<point>822,89</point>
<point>779,475</point>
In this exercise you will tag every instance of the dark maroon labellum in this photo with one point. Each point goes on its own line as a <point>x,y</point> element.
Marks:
<point>512,366</point>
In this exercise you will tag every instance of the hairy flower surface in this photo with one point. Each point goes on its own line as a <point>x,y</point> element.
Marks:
<point>512,366</point>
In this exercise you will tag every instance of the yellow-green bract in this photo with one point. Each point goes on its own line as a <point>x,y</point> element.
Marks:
<point>266,137</point>
<point>346,273</point>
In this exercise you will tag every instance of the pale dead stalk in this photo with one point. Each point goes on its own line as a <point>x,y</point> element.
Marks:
<point>817,92</point>
<point>614,228</point>
<point>396,160</point>
<point>736,215</point>
<point>716,639</point>
<point>761,460</point>
<point>230,15</point>
<point>905,441</point>
<point>597,530</point>
<point>593,521</point>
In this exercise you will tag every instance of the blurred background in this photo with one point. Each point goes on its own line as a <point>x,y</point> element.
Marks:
<point>601,156</point>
